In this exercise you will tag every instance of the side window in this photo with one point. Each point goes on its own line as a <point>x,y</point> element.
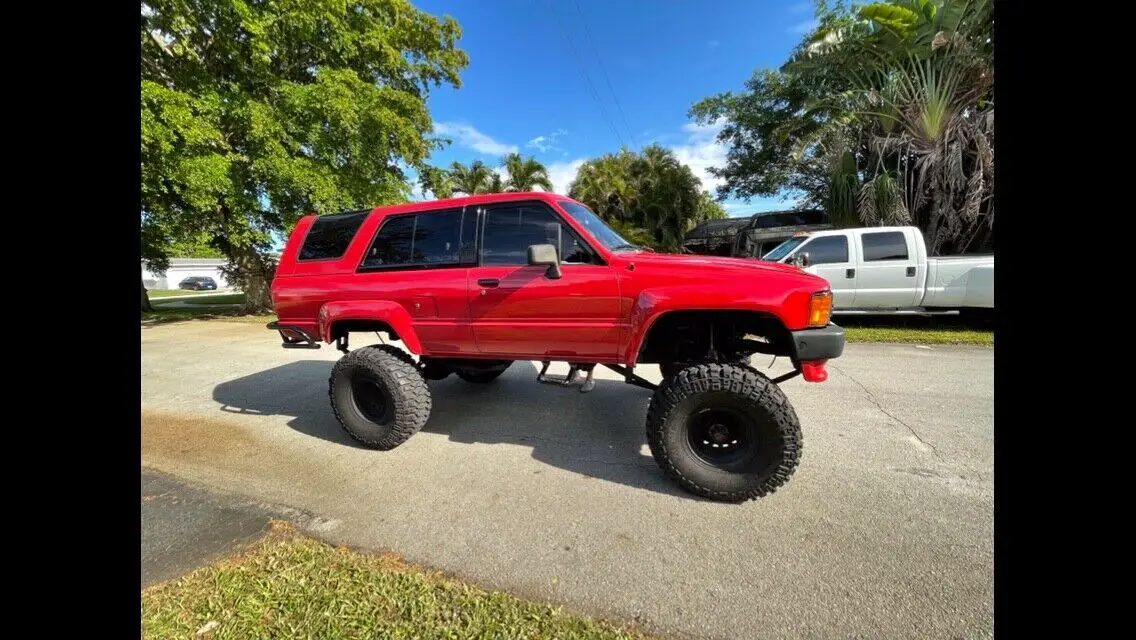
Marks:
<point>511,229</point>
<point>330,235</point>
<point>827,250</point>
<point>417,241</point>
<point>886,245</point>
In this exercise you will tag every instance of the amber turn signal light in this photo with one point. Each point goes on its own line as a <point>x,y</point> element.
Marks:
<point>820,309</point>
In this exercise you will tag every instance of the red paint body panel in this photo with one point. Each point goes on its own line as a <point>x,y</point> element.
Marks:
<point>594,313</point>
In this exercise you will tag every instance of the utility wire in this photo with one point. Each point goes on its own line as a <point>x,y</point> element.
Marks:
<point>587,79</point>
<point>603,70</point>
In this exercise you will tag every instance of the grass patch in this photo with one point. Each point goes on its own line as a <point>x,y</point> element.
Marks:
<point>169,293</point>
<point>913,330</point>
<point>224,298</point>
<point>180,314</point>
<point>290,586</point>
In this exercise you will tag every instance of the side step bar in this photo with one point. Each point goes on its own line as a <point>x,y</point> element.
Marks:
<point>294,337</point>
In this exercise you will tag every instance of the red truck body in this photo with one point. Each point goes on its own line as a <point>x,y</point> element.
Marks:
<point>471,285</point>
<point>595,312</point>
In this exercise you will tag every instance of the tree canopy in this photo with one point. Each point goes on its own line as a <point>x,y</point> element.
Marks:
<point>883,114</point>
<point>650,197</point>
<point>254,114</point>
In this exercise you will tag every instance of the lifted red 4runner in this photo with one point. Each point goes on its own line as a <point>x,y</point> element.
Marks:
<point>470,285</point>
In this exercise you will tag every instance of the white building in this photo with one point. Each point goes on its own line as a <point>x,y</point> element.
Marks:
<point>182,268</point>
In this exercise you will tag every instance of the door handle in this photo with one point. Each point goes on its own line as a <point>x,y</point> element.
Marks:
<point>849,273</point>
<point>489,282</point>
<point>911,272</point>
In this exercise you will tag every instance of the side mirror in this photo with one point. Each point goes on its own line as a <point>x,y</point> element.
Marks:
<point>801,260</point>
<point>545,254</point>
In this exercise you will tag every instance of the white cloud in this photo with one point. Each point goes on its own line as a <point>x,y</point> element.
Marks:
<point>548,142</point>
<point>562,174</point>
<point>804,27</point>
<point>702,151</point>
<point>468,136</point>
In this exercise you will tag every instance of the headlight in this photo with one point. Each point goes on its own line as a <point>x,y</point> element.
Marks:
<point>820,309</point>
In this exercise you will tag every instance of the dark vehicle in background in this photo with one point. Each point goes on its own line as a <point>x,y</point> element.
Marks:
<point>198,283</point>
<point>755,236</point>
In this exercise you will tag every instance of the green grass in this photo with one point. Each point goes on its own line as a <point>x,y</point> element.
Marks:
<point>913,330</point>
<point>168,293</point>
<point>224,298</point>
<point>290,586</point>
<point>162,316</point>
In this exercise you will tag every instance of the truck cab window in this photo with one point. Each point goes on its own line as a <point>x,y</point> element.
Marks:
<point>827,250</point>
<point>884,245</point>
<point>511,230</point>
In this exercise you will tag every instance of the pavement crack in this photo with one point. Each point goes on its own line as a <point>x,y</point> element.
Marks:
<point>875,401</point>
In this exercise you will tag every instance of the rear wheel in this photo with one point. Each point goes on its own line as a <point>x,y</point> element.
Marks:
<point>725,432</point>
<point>484,376</point>
<point>379,396</point>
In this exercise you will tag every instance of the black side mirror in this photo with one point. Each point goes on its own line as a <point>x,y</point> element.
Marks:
<point>545,254</point>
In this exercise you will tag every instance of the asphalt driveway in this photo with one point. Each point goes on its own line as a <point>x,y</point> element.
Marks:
<point>886,530</point>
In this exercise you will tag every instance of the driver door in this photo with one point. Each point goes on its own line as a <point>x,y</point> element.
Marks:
<point>516,310</point>
<point>831,258</point>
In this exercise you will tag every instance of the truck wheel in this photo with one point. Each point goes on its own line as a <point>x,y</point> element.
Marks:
<point>724,431</point>
<point>486,376</point>
<point>379,396</point>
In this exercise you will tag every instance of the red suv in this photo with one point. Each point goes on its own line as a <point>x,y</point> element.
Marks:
<point>469,285</point>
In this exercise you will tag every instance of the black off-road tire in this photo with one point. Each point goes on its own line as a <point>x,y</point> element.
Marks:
<point>379,396</point>
<point>669,369</point>
<point>483,377</point>
<point>772,432</point>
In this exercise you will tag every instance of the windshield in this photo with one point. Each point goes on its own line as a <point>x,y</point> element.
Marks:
<point>784,249</point>
<point>595,226</point>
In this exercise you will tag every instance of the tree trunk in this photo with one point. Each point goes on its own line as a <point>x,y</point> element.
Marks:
<point>145,299</point>
<point>255,277</point>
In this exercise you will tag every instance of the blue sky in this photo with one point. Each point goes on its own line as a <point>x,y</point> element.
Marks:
<point>525,88</point>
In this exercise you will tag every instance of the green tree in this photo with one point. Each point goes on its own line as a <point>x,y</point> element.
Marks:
<point>650,196</point>
<point>255,113</point>
<point>470,180</point>
<point>496,183</point>
<point>436,181</point>
<point>525,174</point>
<point>885,114</point>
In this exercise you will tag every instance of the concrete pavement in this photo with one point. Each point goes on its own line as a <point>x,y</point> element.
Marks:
<point>886,529</point>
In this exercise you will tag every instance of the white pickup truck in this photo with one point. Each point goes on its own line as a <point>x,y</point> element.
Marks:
<point>887,270</point>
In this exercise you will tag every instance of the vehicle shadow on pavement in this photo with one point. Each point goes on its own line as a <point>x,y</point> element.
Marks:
<point>598,435</point>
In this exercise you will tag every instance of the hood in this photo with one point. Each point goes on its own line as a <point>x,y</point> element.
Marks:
<point>716,263</point>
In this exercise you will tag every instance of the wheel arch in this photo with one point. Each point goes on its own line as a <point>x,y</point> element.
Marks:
<point>339,318</point>
<point>665,328</point>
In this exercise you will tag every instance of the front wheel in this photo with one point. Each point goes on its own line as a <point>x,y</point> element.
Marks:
<point>724,432</point>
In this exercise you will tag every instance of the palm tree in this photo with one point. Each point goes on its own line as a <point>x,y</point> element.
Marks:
<point>496,184</point>
<point>471,180</point>
<point>525,174</point>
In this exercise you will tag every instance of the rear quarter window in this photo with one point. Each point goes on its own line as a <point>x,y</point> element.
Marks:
<point>330,235</point>
<point>884,245</point>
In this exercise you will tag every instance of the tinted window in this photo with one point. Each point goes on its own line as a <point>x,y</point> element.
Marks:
<point>329,235</point>
<point>886,245</point>
<point>827,250</point>
<point>511,230</point>
<point>421,240</point>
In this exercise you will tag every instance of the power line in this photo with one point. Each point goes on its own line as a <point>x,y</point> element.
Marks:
<point>603,70</point>
<point>587,79</point>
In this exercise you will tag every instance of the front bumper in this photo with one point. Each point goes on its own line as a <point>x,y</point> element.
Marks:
<point>823,343</point>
